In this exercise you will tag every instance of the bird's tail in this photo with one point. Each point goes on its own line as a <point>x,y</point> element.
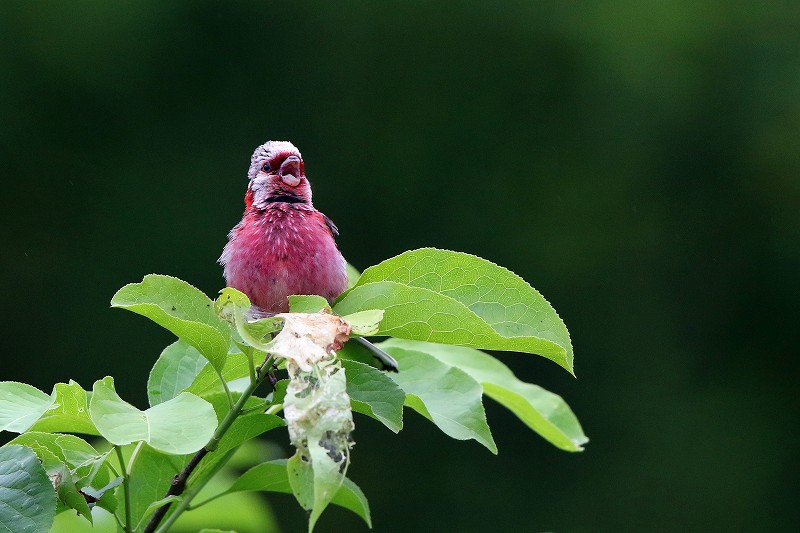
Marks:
<point>389,363</point>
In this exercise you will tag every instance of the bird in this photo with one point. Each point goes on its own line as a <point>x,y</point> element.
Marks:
<point>283,245</point>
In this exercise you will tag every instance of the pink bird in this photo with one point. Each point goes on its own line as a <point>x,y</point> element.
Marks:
<point>283,245</point>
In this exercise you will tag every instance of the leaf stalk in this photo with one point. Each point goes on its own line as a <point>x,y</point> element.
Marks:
<point>126,487</point>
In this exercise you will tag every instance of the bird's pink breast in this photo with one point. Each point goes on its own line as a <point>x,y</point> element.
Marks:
<point>283,251</point>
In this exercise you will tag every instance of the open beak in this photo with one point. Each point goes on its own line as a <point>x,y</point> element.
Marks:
<point>290,171</point>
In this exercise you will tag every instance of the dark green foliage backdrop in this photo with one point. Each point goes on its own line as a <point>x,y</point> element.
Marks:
<point>638,164</point>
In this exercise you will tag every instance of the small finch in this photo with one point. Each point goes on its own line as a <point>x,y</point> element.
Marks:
<point>283,245</point>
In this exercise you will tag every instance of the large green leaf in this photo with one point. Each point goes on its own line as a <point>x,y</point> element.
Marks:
<point>69,413</point>
<point>542,411</point>
<point>178,426</point>
<point>374,394</point>
<point>444,394</point>
<point>176,369</point>
<point>456,298</point>
<point>27,498</point>
<point>21,405</point>
<point>272,476</point>
<point>180,308</point>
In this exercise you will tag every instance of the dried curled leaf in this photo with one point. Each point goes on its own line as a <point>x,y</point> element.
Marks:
<point>308,339</point>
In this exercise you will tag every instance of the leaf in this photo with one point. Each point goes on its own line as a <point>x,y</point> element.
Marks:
<point>319,417</point>
<point>21,405</point>
<point>178,426</point>
<point>365,322</point>
<point>244,428</point>
<point>69,413</point>
<point>78,455</point>
<point>456,298</point>
<point>70,498</point>
<point>150,477</point>
<point>64,483</point>
<point>301,481</point>
<point>352,275</point>
<point>108,498</point>
<point>230,298</point>
<point>235,306</point>
<point>355,351</point>
<point>160,503</point>
<point>27,498</point>
<point>279,391</point>
<point>175,370</point>
<point>258,333</point>
<point>104,495</point>
<point>61,479</point>
<point>207,380</point>
<point>247,427</point>
<point>374,394</point>
<point>180,308</point>
<point>307,303</point>
<point>272,476</point>
<point>444,394</point>
<point>542,411</point>
<point>314,483</point>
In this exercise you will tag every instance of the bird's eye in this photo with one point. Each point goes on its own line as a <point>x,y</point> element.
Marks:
<point>266,167</point>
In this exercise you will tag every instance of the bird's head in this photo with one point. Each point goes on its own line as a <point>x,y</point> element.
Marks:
<point>277,174</point>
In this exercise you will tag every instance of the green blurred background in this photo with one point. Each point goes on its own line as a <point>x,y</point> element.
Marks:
<point>637,162</point>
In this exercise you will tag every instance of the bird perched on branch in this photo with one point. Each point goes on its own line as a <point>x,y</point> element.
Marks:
<point>283,245</point>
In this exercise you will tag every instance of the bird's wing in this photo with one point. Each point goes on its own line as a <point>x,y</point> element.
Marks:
<point>331,225</point>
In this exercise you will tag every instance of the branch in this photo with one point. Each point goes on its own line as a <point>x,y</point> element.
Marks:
<point>178,485</point>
